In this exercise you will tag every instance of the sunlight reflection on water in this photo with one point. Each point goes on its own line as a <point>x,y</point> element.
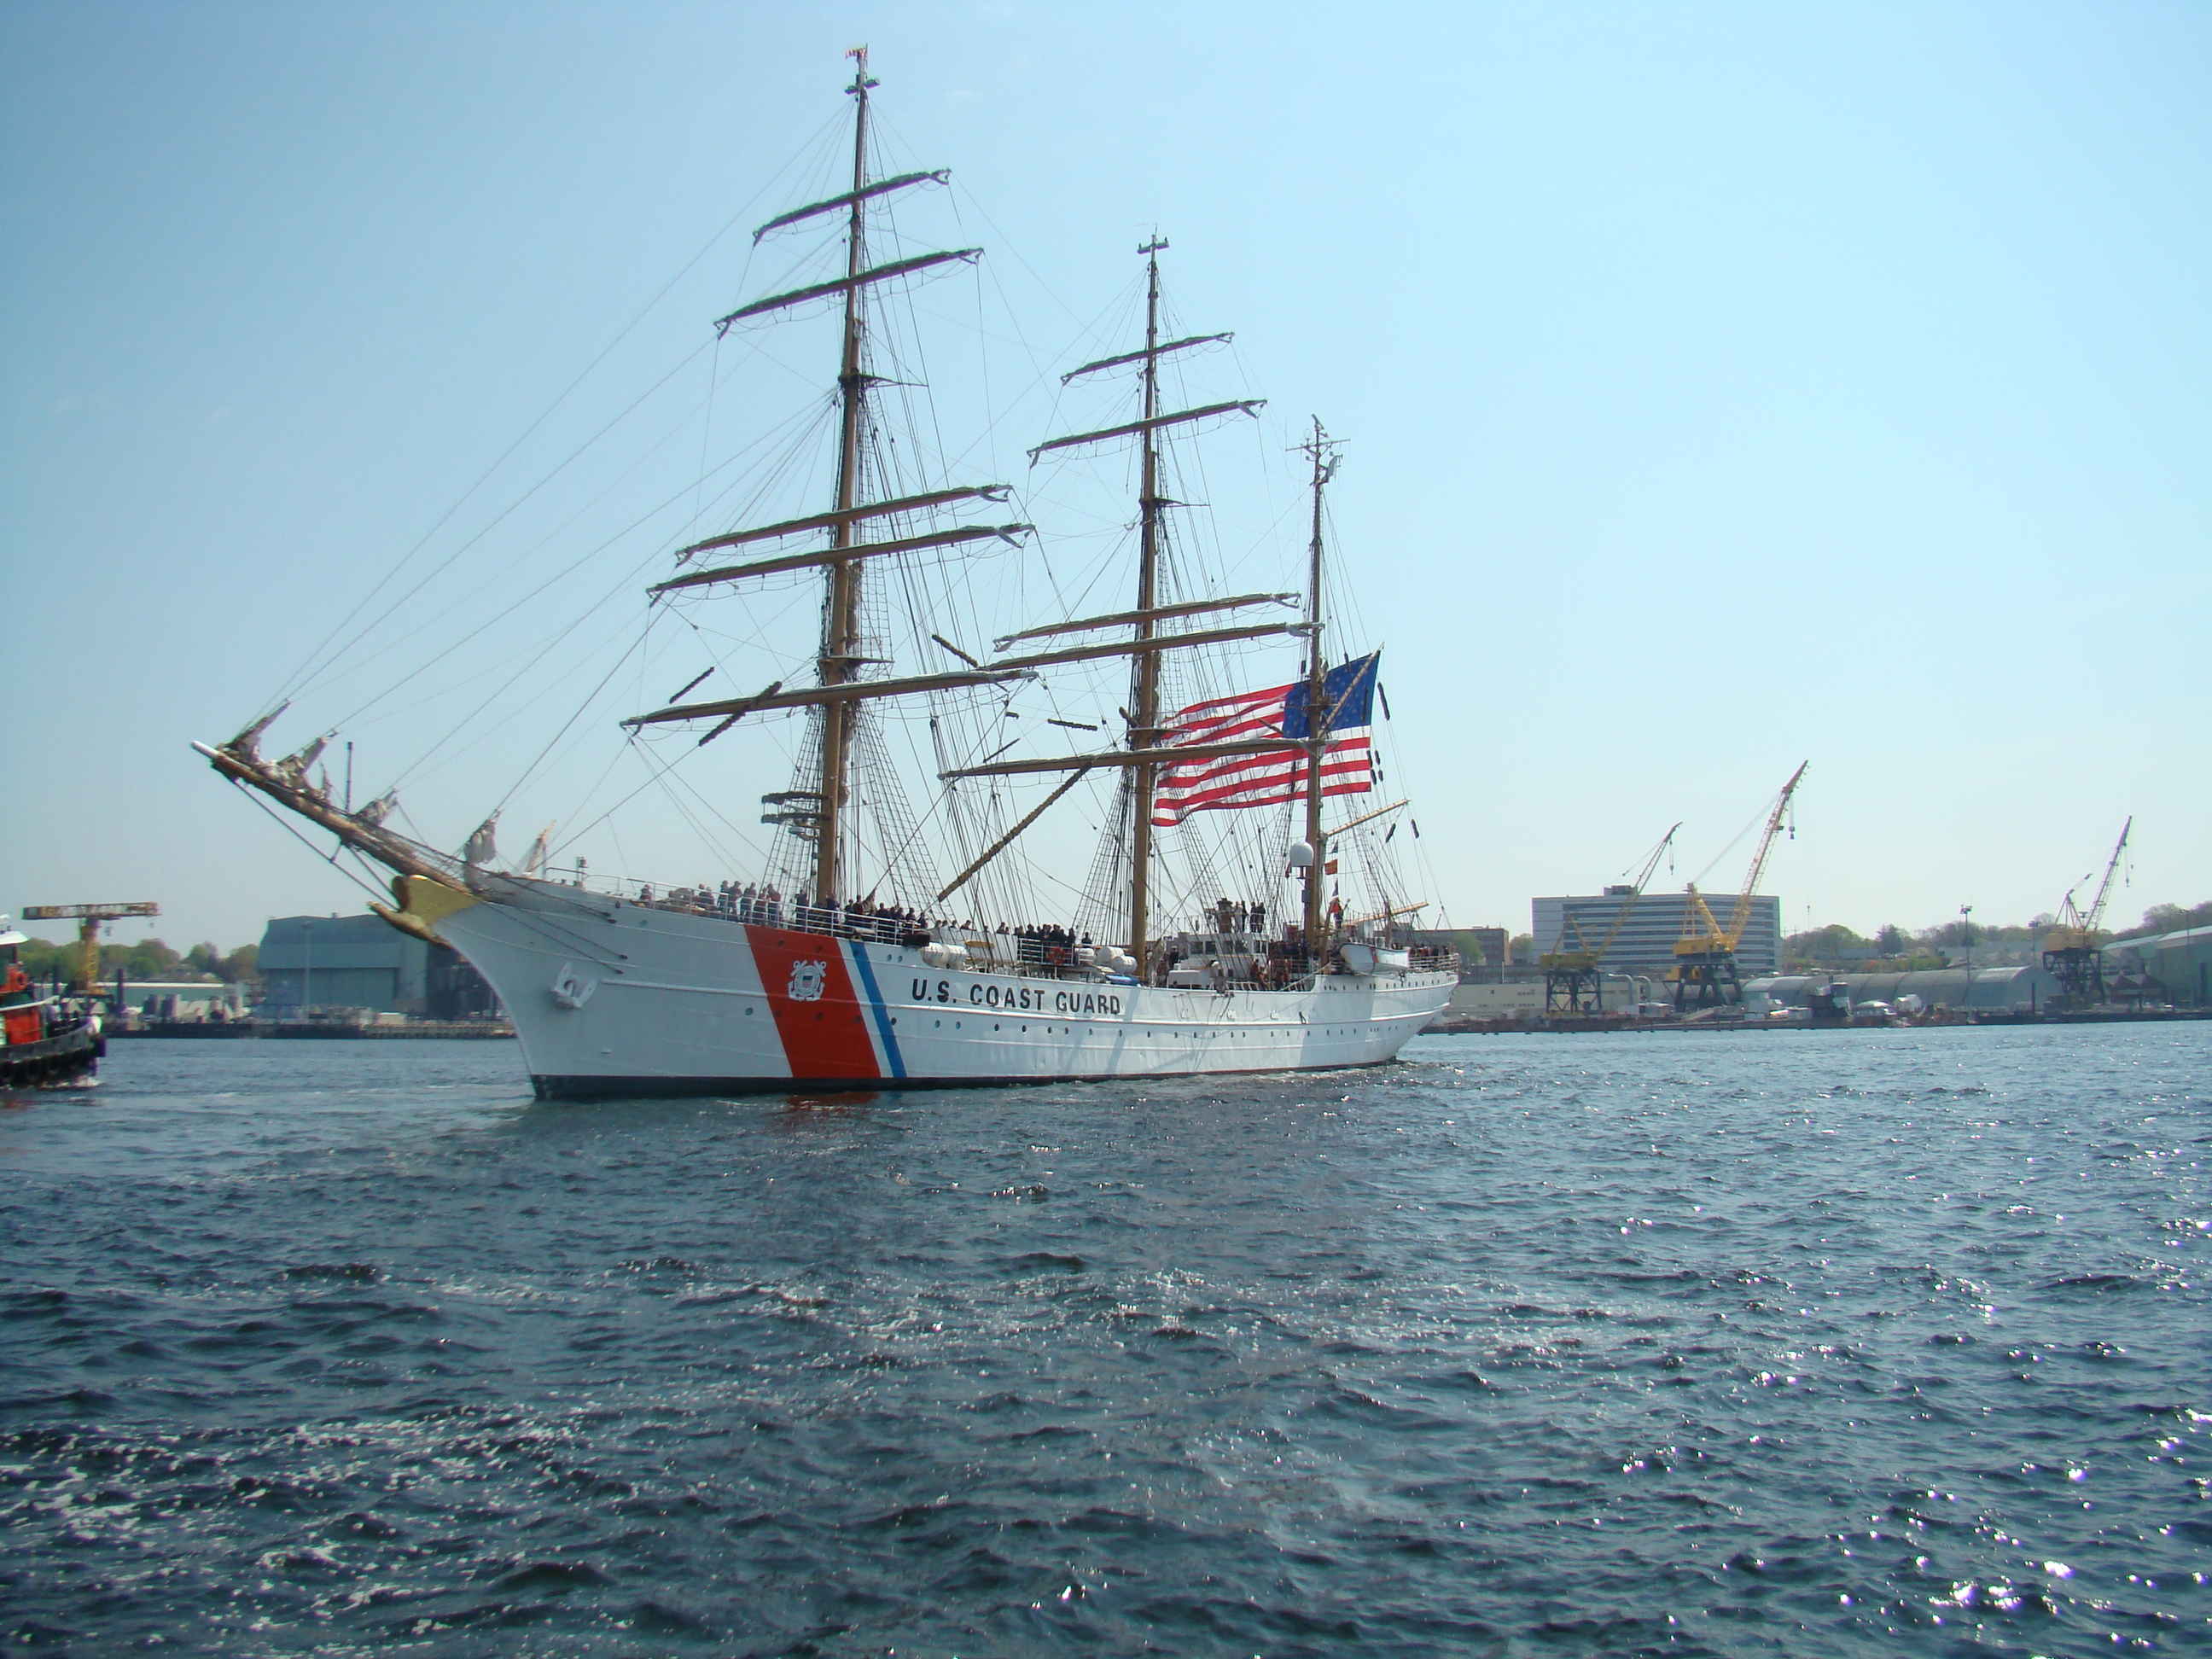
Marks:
<point>1852,1343</point>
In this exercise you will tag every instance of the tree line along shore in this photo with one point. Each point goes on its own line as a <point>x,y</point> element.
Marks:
<point>1889,949</point>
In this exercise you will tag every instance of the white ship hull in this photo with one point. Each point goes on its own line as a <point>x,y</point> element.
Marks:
<point>611,998</point>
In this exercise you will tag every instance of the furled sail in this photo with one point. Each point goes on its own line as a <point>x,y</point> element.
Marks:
<point>844,691</point>
<point>728,573</point>
<point>1159,612</point>
<point>845,515</point>
<point>843,285</point>
<point>1124,359</point>
<point>866,193</point>
<point>483,847</point>
<point>1158,642</point>
<point>1151,423</point>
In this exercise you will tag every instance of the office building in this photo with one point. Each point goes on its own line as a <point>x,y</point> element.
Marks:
<point>1646,944</point>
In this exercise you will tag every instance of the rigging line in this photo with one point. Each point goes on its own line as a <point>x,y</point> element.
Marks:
<point>631,743</point>
<point>1008,243</point>
<point>535,655</point>
<point>584,800</point>
<point>471,723</point>
<point>752,850</point>
<point>803,425</point>
<point>936,805</point>
<point>1002,336</point>
<point>292,829</point>
<point>712,843</point>
<point>300,674</point>
<point>983,356</point>
<point>636,645</point>
<point>414,830</point>
<point>365,720</point>
<point>361,859</point>
<point>705,436</point>
<point>921,358</point>
<point>307,681</point>
<point>1035,871</point>
<point>1044,373</point>
<point>762,625</point>
<point>474,634</point>
<point>512,665</point>
<point>583,618</point>
<point>429,699</point>
<point>634,573</point>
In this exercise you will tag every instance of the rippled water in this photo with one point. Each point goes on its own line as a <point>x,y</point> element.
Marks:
<point>1794,1342</point>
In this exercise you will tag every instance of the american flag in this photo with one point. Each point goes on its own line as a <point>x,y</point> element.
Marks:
<point>1273,776</point>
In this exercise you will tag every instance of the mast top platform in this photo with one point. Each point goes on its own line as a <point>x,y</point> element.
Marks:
<point>1325,450</point>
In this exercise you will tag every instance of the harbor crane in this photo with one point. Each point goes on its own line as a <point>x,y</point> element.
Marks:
<point>1704,971</point>
<point>89,919</point>
<point>1574,980</point>
<point>2071,952</point>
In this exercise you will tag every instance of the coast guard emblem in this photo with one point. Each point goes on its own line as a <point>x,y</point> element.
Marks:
<point>806,980</point>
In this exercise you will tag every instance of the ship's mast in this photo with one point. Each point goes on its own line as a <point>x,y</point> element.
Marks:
<point>1143,759</point>
<point>850,523</point>
<point>1144,725</point>
<point>1318,712</point>
<point>841,603</point>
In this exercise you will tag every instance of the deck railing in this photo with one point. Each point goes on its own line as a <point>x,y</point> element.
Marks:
<point>1002,953</point>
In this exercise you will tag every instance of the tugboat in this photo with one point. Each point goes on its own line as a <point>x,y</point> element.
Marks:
<point>48,1041</point>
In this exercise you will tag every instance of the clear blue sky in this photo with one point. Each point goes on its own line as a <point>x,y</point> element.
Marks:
<point>1728,384</point>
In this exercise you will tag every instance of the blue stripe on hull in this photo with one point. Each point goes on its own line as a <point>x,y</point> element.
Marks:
<point>866,970</point>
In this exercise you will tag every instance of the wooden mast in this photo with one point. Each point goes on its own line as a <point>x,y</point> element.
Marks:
<point>840,605</point>
<point>1143,727</point>
<point>1142,758</point>
<point>1318,712</point>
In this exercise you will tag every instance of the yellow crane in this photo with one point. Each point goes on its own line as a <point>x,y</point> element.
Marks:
<point>2070,950</point>
<point>1704,972</point>
<point>89,919</point>
<point>1574,983</point>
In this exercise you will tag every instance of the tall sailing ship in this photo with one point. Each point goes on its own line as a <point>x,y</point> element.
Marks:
<point>807,979</point>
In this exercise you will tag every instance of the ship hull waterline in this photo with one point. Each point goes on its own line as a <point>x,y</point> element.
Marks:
<point>613,1000</point>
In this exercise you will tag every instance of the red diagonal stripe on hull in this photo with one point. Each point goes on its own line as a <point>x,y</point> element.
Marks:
<point>825,1036</point>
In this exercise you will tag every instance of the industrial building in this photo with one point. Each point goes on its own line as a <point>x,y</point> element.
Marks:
<point>362,962</point>
<point>2002,990</point>
<point>1646,944</point>
<point>2175,967</point>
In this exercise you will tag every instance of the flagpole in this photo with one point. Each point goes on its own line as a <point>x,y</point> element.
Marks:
<point>1318,715</point>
